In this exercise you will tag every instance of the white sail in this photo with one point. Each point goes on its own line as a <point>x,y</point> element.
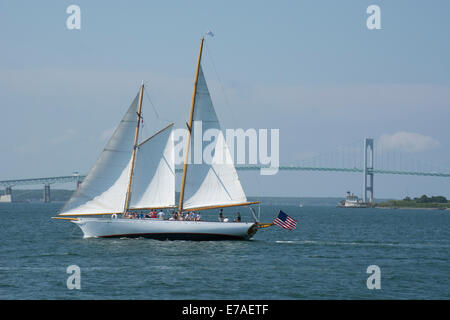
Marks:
<point>153,183</point>
<point>215,183</point>
<point>104,188</point>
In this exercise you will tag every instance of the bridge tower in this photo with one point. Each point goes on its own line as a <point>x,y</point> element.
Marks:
<point>368,170</point>
<point>8,195</point>
<point>47,193</point>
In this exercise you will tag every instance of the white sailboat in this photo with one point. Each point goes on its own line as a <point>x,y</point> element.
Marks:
<point>130,176</point>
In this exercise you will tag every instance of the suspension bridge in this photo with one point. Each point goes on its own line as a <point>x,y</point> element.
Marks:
<point>350,159</point>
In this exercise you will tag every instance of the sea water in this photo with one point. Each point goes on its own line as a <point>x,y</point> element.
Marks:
<point>326,257</point>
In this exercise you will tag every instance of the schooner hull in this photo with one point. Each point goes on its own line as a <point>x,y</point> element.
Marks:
<point>165,229</point>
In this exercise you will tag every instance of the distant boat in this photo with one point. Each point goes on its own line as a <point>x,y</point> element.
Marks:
<point>352,201</point>
<point>6,198</point>
<point>301,205</point>
<point>129,176</point>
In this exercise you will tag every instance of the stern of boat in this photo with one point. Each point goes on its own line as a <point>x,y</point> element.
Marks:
<point>252,230</point>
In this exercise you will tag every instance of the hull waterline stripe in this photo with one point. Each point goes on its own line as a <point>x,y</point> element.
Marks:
<point>179,236</point>
<point>61,218</point>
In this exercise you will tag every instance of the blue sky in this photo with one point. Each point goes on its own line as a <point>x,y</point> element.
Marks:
<point>309,68</point>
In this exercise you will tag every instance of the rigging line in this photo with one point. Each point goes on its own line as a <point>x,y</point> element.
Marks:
<point>151,102</point>
<point>153,106</point>
<point>220,83</point>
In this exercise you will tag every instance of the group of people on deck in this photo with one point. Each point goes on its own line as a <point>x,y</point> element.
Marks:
<point>225,219</point>
<point>150,215</point>
<point>188,216</point>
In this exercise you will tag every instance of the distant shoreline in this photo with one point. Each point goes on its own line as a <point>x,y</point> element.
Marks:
<point>63,195</point>
<point>412,208</point>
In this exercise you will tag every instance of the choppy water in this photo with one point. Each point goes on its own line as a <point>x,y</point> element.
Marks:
<point>326,257</point>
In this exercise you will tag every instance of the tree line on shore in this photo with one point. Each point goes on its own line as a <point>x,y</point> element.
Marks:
<point>438,202</point>
<point>425,199</point>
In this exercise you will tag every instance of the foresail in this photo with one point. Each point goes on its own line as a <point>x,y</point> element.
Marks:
<point>104,188</point>
<point>153,184</point>
<point>210,183</point>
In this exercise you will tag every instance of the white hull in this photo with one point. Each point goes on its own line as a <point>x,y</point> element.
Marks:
<point>165,229</point>
<point>353,205</point>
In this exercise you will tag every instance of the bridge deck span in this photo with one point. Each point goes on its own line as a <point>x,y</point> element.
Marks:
<point>76,178</point>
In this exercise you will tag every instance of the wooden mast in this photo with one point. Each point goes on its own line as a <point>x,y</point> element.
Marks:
<point>133,156</point>
<point>183,180</point>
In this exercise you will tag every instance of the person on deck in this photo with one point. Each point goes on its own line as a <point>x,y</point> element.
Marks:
<point>161,215</point>
<point>238,217</point>
<point>221,215</point>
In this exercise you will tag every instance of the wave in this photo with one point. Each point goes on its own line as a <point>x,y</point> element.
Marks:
<point>365,244</point>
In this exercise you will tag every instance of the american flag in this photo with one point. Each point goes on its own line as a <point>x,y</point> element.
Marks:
<point>284,221</point>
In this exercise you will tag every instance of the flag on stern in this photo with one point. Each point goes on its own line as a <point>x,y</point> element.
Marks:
<point>284,221</point>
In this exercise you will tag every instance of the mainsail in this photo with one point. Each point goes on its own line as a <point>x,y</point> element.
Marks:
<point>213,184</point>
<point>153,183</point>
<point>104,189</point>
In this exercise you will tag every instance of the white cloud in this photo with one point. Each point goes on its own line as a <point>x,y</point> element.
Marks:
<point>407,141</point>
